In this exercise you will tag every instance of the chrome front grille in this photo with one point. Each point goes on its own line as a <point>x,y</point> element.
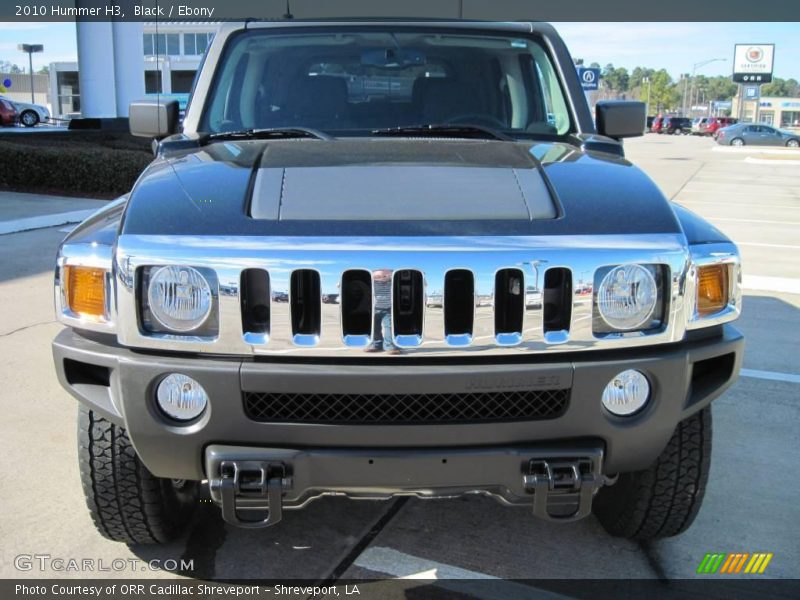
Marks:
<point>468,407</point>
<point>435,296</point>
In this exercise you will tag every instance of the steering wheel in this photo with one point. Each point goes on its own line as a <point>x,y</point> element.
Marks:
<point>476,119</point>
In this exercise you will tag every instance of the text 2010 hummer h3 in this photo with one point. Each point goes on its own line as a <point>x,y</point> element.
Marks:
<point>394,258</point>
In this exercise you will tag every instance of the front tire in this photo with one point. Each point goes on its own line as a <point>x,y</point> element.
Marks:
<point>662,500</point>
<point>793,143</point>
<point>127,502</point>
<point>29,118</point>
<point>738,142</point>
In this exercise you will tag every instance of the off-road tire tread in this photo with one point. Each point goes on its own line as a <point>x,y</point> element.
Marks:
<point>126,501</point>
<point>663,500</point>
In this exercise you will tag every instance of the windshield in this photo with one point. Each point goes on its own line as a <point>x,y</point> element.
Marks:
<point>354,81</point>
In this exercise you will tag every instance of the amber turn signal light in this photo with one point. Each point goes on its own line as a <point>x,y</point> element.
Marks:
<point>85,291</point>
<point>712,289</point>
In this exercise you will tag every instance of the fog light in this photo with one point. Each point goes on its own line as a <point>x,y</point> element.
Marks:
<point>627,393</point>
<point>181,397</point>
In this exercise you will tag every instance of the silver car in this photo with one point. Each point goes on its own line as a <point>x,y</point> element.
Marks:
<point>30,115</point>
<point>752,134</point>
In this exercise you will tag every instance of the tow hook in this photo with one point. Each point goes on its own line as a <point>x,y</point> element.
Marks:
<point>253,481</point>
<point>562,481</point>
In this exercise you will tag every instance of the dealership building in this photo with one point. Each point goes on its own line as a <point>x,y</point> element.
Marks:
<point>783,113</point>
<point>169,55</point>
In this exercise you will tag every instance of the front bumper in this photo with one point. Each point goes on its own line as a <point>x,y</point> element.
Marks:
<point>119,383</point>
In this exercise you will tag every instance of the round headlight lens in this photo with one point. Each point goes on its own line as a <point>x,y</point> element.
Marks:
<point>179,298</point>
<point>627,297</point>
<point>181,397</point>
<point>627,393</point>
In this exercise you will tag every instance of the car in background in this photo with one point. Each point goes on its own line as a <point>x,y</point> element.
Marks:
<point>676,125</point>
<point>657,125</point>
<point>8,113</point>
<point>28,114</point>
<point>752,134</point>
<point>699,125</point>
<point>714,124</point>
<point>649,124</point>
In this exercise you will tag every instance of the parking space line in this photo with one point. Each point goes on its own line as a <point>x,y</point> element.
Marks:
<point>43,221</point>
<point>752,221</point>
<point>767,245</point>
<point>690,203</point>
<point>771,375</point>
<point>786,285</point>
<point>406,566</point>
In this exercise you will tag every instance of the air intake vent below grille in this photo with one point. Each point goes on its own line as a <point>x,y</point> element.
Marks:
<point>406,408</point>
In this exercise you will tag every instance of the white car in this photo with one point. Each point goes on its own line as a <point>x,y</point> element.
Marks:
<point>30,115</point>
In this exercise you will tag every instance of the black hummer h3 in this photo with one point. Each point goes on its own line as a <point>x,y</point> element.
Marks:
<point>394,258</point>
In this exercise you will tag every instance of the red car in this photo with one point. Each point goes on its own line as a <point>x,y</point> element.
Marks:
<point>8,114</point>
<point>714,124</point>
<point>658,124</point>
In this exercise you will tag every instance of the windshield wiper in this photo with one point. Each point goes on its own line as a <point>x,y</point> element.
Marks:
<point>273,133</point>
<point>461,131</point>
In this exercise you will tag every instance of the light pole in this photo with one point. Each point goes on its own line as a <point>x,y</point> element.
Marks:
<point>30,49</point>
<point>696,66</point>
<point>647,81</point>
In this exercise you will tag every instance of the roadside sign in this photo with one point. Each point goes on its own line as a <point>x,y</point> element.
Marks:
<point>752,92</point>
<point>752,63</point>
<point>590,77</point>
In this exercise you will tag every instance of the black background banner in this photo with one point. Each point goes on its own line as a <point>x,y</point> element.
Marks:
<point>501,10</point>
<point>721,587</point>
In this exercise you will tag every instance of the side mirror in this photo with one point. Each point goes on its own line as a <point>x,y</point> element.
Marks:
<point>620,118</point>
<point>153,118</point>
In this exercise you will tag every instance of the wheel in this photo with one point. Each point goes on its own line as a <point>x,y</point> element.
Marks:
<point>793,143</point>
<point>737,142</point>
<point>128,503</point>
<point>29,118</point>
<point>663,500</point>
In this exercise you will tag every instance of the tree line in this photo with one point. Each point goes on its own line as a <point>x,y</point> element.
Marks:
<point>13,68</point>
<point>667,94</point>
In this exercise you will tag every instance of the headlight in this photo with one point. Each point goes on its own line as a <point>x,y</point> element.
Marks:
<point>627,297</point>
<point>179,298</point>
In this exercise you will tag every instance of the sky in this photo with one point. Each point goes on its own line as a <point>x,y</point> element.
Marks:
<point>672,46</point>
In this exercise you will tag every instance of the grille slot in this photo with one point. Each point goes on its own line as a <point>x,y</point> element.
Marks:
<point>557,303</point>
<point>509,306</point>
<point>459,304</point>
<point>306,305</point>
<point>254,298</point>
<point>407,307</point>
<point>356,304</point>
<point>528,405</point>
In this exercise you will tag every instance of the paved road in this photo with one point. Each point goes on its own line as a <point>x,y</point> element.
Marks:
<point>751,504</point>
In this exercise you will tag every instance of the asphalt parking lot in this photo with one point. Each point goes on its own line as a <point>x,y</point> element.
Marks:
<point>750,506</point>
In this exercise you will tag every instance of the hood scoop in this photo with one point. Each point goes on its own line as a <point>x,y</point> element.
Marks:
<point>400,193</point>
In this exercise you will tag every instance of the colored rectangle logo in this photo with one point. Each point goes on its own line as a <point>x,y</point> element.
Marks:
<point>732,563</point>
